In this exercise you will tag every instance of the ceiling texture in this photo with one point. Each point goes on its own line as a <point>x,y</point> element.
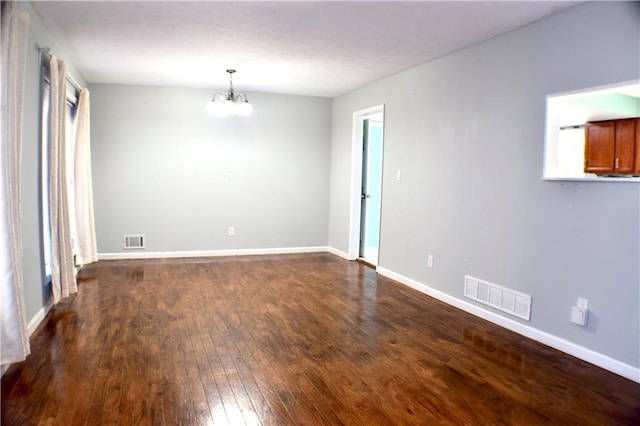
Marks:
<point>291,47</point>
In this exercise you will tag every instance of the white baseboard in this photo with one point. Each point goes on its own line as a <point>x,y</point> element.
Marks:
<point>339,253</point>
<point>39,316</point>
<point>625,370</point>
<point>208,253</point>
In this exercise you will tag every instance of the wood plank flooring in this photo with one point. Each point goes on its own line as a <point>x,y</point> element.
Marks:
<point>289,340</point>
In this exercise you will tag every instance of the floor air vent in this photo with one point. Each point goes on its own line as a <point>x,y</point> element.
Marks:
<point>133,242</point>
<point>504,299</point>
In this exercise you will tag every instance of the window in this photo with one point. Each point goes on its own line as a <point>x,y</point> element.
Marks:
<point>70,130</point>
<point>44,180</point>
<point>566,117</point>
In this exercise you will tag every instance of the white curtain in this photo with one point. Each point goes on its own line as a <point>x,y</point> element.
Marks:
<point>14,333</point>
<point>86,247</point>
<point>63,280</point>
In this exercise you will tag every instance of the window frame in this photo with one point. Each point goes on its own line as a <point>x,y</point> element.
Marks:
<point>553,127</point>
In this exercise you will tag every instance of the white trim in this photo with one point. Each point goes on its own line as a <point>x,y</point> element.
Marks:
<point>39,316</point>
<point>552,128</point>
<point>209,253</point>
<point>338,253</point>
<point>618,367</point>
<point>356,178</point>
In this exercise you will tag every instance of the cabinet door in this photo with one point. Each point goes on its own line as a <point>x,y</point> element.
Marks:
<point>636,170</point>
<point>599,147</point>
<point>625,146</point>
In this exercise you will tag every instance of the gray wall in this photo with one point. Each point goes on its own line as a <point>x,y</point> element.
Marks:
<point>467,131</point>
<point>165,168</point>
<point>36,294</point>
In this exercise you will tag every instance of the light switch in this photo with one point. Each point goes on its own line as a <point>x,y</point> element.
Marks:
<point>398,174</point>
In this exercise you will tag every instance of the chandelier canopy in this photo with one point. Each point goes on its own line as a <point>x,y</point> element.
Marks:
<point>232,104</point>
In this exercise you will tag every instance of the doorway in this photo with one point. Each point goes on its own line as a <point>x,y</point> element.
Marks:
<point>364,242</point>
<point>370,196</point>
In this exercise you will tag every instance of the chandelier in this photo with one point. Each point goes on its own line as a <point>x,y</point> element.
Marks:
<point>232,104</point>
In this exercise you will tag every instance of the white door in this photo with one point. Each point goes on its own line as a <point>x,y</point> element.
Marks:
<point>370,196</point>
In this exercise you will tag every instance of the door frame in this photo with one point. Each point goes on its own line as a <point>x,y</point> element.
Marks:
<point>356,178</point>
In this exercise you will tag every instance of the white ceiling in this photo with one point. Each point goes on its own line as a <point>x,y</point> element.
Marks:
<point>302,47</point>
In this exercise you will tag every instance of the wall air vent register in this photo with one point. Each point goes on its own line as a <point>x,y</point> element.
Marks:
<point>131,242</point>
<point>504,299</point>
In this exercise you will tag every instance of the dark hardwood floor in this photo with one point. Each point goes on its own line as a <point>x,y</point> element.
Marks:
<point>293,339</point>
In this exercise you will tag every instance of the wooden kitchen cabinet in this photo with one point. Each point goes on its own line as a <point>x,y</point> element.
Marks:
<point>636,169</point>
<point>625,146</point>
<point>612,147</point>
<point>600,147</point>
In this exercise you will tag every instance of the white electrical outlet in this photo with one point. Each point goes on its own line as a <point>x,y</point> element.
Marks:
<point>232,231</point>
<point>580,312</point>
<point>579,315</point>
<point>430,261</point>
